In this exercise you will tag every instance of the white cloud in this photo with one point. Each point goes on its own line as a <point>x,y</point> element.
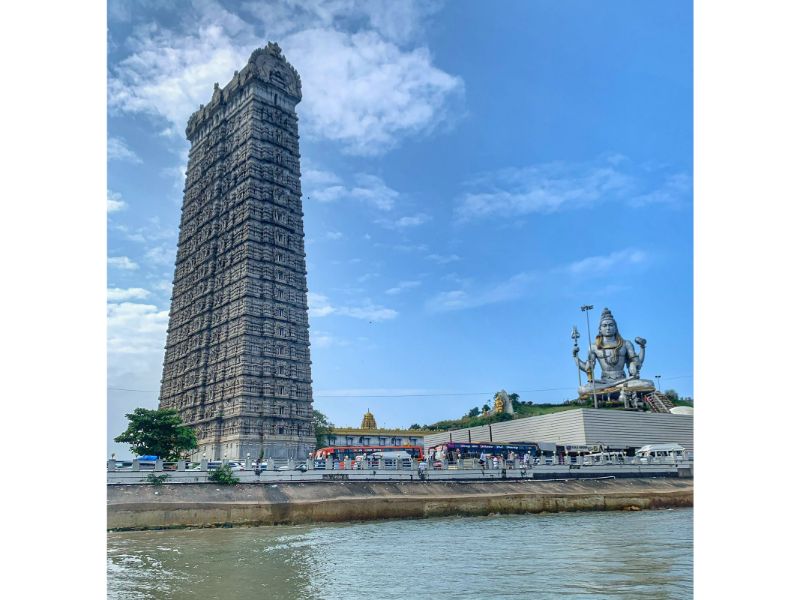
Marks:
<point>405,222</point>
<point>114,202</point>
<point>366,92</point>
<point>118,149</point>
<point>543,188</point>
<point>122,262</point>
<point>135,328</point>
<point>161,255</point>
<point>397,20</point>
<point>164,285</point>
<point>324,186</point>
<point>366,84</point>
<point>323,339</point>
<point>119,294</point>
<point>372,190</point>
<point>552,187</point>
<point>368,312</point>
<point>443,259</point>
<point>136,336</point>
<point>320,306</point>
<point>511,289</point>
<point>522,284</point>
<point>334,235</point>
<point>675,190</point>
<point>152,232</point>
<point>367,277</point>
<point>600,265</point>
<point>170,73</point>
<point>403,286</point>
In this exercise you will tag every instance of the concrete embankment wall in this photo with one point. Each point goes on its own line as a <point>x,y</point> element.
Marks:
<point>208,505</point>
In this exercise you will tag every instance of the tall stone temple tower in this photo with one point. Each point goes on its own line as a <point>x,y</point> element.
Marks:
<point>237,365</point>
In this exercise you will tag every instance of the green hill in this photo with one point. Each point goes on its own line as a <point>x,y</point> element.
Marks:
<point>522,409</point>
<point>474,418</point>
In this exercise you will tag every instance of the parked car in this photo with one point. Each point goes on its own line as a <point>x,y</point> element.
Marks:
<point>213,465</point>
<point>301,467</point>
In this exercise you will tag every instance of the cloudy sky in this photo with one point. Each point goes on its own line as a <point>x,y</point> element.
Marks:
<point>472,174</point>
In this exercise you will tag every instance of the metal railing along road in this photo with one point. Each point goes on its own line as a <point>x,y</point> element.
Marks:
<point>381,469</point>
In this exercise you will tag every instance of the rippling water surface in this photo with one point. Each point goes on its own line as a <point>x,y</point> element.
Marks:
<point>636,555</point>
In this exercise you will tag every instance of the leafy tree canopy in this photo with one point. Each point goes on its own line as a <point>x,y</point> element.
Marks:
<point>322,428</point>
<point>158,432</point>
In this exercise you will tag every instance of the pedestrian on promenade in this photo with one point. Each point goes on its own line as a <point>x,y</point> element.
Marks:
<point>494,462</point>
<point>482,460</point>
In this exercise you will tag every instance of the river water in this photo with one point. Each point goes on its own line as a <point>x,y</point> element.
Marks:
<point>633,555</point>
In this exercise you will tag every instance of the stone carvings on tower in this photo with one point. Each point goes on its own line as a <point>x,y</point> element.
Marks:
<point>237,365</point>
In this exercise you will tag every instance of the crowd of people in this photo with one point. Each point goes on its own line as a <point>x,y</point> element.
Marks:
<point>439,459</point>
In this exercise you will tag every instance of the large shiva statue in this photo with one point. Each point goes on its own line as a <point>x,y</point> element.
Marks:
<point>614,353</point>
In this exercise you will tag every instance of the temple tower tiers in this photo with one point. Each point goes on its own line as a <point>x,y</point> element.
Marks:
<point>237,365</point>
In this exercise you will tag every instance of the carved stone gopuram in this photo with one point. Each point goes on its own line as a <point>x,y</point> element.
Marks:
<point>237,365</point>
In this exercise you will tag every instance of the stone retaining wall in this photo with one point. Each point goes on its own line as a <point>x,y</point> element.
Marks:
<point>207,505</point>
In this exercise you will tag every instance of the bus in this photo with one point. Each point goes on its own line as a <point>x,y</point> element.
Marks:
<point>661,453</point>
<point>338,453</point>
<point>452,451</point>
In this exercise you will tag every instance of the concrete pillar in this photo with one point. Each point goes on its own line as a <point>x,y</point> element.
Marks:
<point>159,466</point>
<point>111,465</point>
<point>181,465</point>
<point>329,464</point>
<point>290,462</point>
<point>381,463</point>
<point>248,464</point>
<point>309,464</point>
<point>204,464</point>
<point>270,464</point>
<point>135,465</point>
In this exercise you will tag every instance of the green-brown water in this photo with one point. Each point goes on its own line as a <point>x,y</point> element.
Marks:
<point>632,555</point>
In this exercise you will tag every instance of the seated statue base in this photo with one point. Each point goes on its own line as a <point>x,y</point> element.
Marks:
<point>611,391</point>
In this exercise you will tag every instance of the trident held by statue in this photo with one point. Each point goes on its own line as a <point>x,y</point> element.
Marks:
<point>575,335</point>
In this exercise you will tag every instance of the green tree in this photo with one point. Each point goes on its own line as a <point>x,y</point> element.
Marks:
<point>485,408</point>
<point>415,426</point>
<point>159,432</point>
<point>322,428</point>
<point>474,412</point>
<point>672,395</point>
<point>223,475</point>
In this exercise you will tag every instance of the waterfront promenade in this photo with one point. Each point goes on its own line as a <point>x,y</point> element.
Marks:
<point>138,506</point>
<point>463,470</point>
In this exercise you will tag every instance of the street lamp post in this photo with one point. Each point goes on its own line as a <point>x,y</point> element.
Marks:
<point>658,381</point>
<point>586,308</point>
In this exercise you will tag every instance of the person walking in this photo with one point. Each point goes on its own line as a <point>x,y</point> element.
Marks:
<point>482,460</point>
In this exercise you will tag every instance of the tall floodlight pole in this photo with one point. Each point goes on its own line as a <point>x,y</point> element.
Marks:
<point>575,336</point>
<point>658,381</point>
<point>586,308</point>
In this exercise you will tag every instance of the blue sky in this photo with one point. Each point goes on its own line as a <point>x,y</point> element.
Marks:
<point>472,173</point>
